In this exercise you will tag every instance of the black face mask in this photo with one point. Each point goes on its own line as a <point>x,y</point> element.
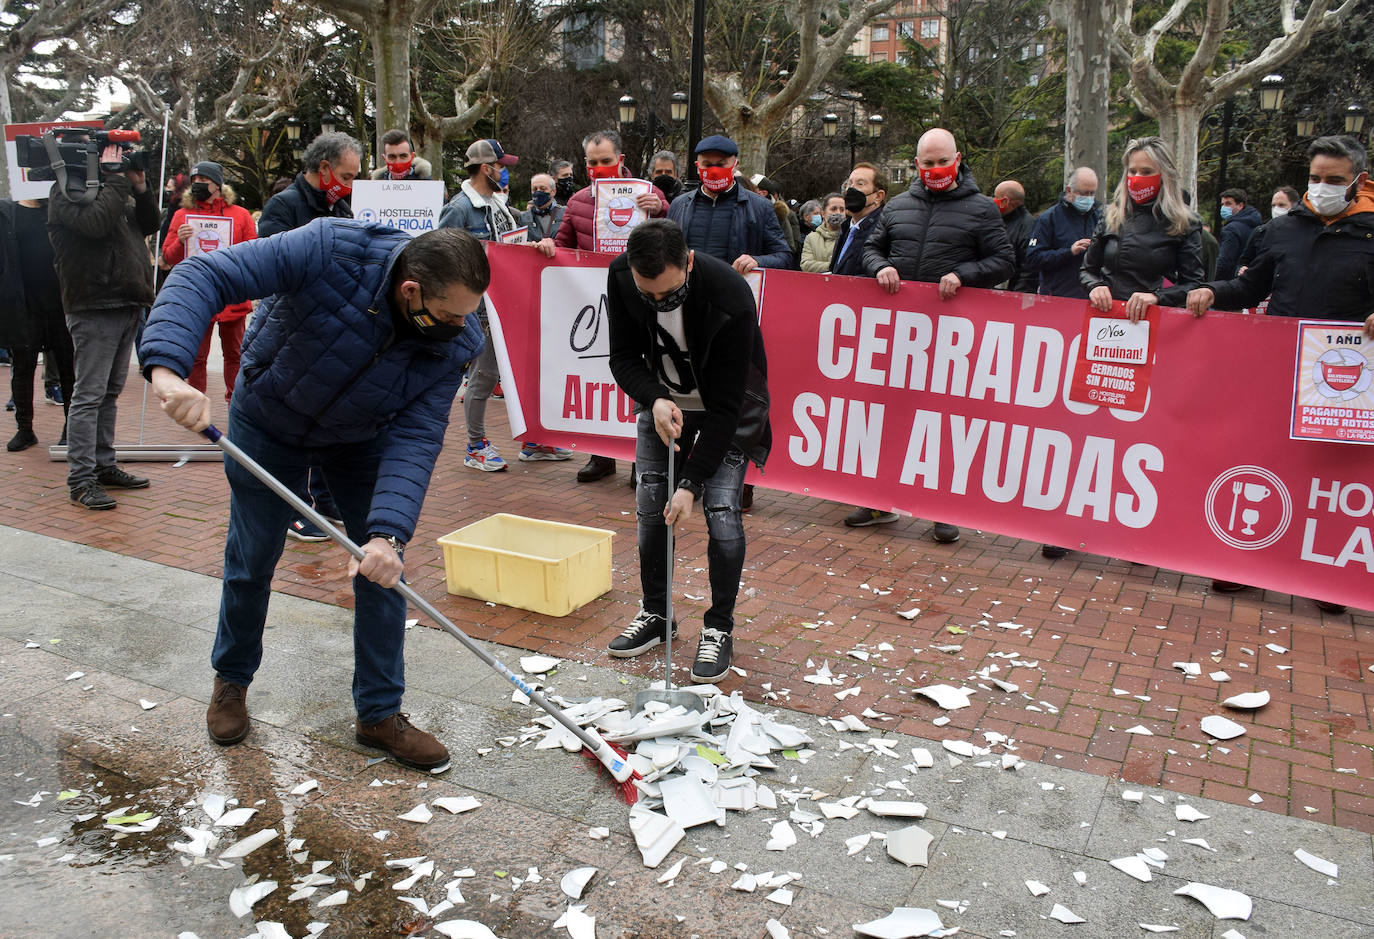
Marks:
<point>422,322</point>
<point>855,201</point>
<point>200,192</point>
<point>665,182</point>
<point>565,187</point>
<point>671,302</point>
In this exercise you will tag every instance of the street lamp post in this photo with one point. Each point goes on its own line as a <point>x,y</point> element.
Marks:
<point>830,125</point>
<point>1271,94</point>
<point>628,109</point>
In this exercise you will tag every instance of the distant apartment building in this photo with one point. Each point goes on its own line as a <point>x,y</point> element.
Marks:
<point>885,39</point>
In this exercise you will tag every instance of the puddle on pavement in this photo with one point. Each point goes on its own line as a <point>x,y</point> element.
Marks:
<point>96,881</point>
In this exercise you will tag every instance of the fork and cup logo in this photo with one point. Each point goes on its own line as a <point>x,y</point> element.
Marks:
<point>1248,507</point>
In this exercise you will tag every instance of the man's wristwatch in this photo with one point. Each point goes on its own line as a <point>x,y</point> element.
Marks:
<point>694,488</point>
<point>397,544</point>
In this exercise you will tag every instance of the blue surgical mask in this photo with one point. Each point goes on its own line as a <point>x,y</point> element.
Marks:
<point>815,221</point>
<point>1084,203</point>
<point>1227,212</point>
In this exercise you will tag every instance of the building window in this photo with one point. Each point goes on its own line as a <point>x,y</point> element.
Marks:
<point>903,58</point>
<point>881,33</point>
<point>899,174</point>
<point>907,29</point>
<point>878,57</point>
<point>930,29</point>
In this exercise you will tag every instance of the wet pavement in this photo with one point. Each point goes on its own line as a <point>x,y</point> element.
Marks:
<point>76,748</point>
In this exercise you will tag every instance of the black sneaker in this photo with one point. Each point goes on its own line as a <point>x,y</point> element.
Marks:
<point>644,632</point>
<point>93,496</point>
<point>329,510</point>
<point>22,440</point>
<point>863,517</point>
<point>945,533</point>
<point>305,530</point>
<point>112,477</point>
<point>714,649</point>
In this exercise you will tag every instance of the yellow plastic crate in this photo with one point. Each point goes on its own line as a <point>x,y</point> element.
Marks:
<point>546,567</point>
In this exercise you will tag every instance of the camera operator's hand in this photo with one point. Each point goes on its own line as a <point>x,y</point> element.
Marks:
<point>184,233</point>
<point>139,179</point>
<point>183,404</point>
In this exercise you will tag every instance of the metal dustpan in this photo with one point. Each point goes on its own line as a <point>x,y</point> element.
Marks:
<point>666,695</point>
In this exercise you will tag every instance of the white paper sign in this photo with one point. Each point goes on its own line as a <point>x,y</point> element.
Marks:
<point>516,236</point>
<point>410,205</point>
<point>578,392</point>
<point>616,212</point>
<point>208,233</point>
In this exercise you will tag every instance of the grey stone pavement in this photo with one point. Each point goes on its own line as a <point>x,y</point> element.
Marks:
<point>142,632</point>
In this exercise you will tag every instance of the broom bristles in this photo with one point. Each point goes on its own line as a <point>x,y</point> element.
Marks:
<point>629,792</point>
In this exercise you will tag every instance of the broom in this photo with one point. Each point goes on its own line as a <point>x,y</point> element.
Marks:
<point>608,755</point>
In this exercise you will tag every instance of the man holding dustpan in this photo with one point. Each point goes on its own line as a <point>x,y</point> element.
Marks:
<point>686,346</point>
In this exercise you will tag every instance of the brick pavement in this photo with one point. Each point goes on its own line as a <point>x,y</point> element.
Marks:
<point>1091,648</point>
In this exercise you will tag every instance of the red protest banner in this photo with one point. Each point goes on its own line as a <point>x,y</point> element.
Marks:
<point>961,411</point>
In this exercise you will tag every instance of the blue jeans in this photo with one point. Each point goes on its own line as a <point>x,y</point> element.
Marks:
<point>257,518</point>
<point>719,503</point>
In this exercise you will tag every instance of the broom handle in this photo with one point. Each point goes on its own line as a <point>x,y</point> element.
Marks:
<point>668,648</point>
<point>213,434</point>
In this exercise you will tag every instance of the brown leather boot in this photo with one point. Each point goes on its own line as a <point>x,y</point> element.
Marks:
<point>405,742</point>
<point>227,716</point>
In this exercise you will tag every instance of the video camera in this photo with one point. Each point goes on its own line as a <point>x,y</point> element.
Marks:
<point>69,154</point>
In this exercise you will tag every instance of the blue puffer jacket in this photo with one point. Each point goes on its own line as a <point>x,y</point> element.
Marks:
<point>322,364</point>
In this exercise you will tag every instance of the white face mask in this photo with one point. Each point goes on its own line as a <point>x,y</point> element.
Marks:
<point>1278,211</point>
<point>1327,198</point>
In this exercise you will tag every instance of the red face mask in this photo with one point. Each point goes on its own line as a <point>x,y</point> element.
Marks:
<point>1143,188</point>
<point>940,178</point>
<point>605,172</point>
<point>716,178</point>
<point>400,169</point>
<point>334,189</point>
<point>1002,204</point>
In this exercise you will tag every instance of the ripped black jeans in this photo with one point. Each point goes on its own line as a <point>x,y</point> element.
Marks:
<point>720,504</point>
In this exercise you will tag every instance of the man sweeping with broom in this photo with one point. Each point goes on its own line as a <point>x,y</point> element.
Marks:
<point>686,346</point>
<point>350,364</point>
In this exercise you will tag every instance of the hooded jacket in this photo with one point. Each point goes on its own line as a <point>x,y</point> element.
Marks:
<point>225,206</point>
<point>1309,266</point>
<point>102,261</point>
<point>721,324</point>
<point>926,235</point>
<point>296,205</point>
<point>1137,258</point>
<point>1234,234</point>
<point>323,363</point>
<point>420,168</point>
<point>1049,252</point>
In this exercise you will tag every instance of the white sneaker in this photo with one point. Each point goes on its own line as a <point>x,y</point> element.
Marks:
<point>484,458</point>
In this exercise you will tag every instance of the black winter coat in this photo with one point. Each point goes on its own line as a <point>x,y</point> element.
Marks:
<point>296,205</point>
<point>102,261</point>
<point>26,321</point>
<point>1020,224</point>
<point>852,264</point>
<point>1234,234</point>
<point>721,324</point>
<point>1050,251</point>
<point>926,235</point>
<point>1307,268</point>
<point>1137,258</point>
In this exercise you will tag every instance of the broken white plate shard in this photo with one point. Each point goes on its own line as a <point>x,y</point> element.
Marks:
<point>1256,798</point>
<point>1247,702</point>
<point>418,873</point>
<point>1081,877</point>
<point>1132,795</point>
<point>598,834</point>
<point>1275,648</point>
<point>946,696</point>
<point>718,867</point>
<point>310,785</point>
<point>687,801</point>
<point>857,843</point>
<point>74,676</point>
<point>578,924</point>
<point>575,881</point>
<point>1140,729</point>
<point>538,664</point>
<point>1220,902</point>
<point>1186,813</point>
<point>457,804</point>
<point>1065,915</point>
<point>782,896</point>
<point>420,814</point>
<point>1188,668</point>
<point>838,810</point>
<point>777,930</point>
<point>213,806</point>
<point>248,845</point>
<point>655,835</point>
<point>235,817</point>
<point>1214,725</point>
<point>781,837</point>
<point>1219,677</point>
<point>1133,866</point>
<point>923,757</point>
<point>747,882</point>
<point>961,747</point>
<point>241,899</point>
<point>1151,927</point>
<point>904,922</point>
<point>1199,842</point>
<point>909,845</point>
<point>912,613</point>
<point>1320,865</point>
<point>671,873</point>
<point>1036,888</point>
<point>146,704</point>
<point>199,843</point>
<point>897,809</point>
<point>1231,934</point>
<point>464,929</point>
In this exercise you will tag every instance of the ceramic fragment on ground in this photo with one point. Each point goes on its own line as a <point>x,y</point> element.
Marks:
<point>1065,915</point>
<point>902,923</point>
<point>1214,725</point>
<point>909,845</point>
<point>575,881</point>
<point>1249,701</point>
<point>1320,865</point>
<point>1220,902</point>
<point>1186,813</point>
<point>241,899</point>
<point>946,696</point>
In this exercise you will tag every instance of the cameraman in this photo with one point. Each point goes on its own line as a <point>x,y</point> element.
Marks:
<point>106,276</point>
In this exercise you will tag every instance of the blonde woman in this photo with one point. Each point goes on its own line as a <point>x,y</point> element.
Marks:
<point>1147,233</point>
